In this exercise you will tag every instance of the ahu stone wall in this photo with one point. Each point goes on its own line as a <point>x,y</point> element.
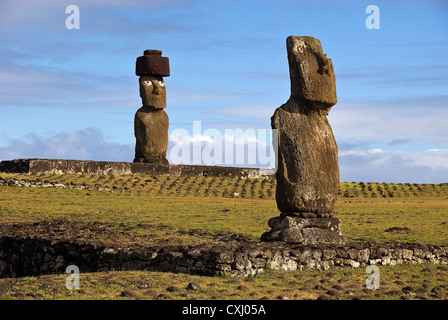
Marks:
<point>35,256</point>
<point>58,166</point>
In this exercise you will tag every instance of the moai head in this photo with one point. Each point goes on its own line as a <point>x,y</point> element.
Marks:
<point>151,67</point>
<point>311,72</point>
<point>152,91</point>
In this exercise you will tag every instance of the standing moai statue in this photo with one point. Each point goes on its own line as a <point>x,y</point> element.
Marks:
<point>151,121</point>
<point>308,171</point>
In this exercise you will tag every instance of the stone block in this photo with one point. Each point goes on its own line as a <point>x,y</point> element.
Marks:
<point>152,63</point>
<point>291,229</point>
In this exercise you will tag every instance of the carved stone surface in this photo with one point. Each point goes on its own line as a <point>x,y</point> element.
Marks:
<point>152,63</point>
<point>304,230</point>
<point>151,132</point>
<point>311,72</point>
<point>151,122</point>
<point>152,91</point>
<point>60,166</point>
<point>308,171</point>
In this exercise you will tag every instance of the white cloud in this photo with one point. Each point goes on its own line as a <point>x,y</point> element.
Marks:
<point>433,158</point>
<point>419,120</point>
<point>88,144</point>
<point>375,150</point>
<point>25,87</point>
<point>429,166</point>
<point>356,163</point>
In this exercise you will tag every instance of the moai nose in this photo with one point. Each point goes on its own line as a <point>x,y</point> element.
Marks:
<point>157,89</point>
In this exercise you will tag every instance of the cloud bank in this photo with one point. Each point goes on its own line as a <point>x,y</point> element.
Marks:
<point>377,165</point>
<point>356,161</point>
<point>88,144</point>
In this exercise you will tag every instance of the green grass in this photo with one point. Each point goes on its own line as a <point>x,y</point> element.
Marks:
<point>297,285</point>
<point>427,219</point>
<point>261,188</point>
<point>239,216</point>
<point>363,219</point>
<point>163,210</point>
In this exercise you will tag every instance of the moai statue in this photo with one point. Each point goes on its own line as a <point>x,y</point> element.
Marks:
<point>151,121</point>
<point>308,171</point>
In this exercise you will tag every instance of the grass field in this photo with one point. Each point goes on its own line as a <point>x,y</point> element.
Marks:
<point>163,210</point>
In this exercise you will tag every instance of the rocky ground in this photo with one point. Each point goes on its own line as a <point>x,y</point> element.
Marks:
<point>412,282</point>
<point>108,234</point>
<point>90,209</point>
<point>415,282</point>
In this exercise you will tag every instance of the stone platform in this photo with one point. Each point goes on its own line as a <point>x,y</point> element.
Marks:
<point>59,166</point>
<point>305,231</point>
<point>25,256</point>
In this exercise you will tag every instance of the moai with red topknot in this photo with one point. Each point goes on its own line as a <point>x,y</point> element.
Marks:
<point>151,121</point>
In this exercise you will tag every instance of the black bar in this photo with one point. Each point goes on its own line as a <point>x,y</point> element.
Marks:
<point>222,309</point>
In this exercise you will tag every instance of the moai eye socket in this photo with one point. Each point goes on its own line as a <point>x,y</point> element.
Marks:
<point>161,83</point>
<point>147,83</point>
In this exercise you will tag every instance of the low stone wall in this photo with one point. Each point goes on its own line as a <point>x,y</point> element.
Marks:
<point>34,256</point>
<point>12,182</point>
<point>40,166</point>
<point>25,256</point>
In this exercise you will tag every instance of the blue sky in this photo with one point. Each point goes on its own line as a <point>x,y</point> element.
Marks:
<point>73,94</point>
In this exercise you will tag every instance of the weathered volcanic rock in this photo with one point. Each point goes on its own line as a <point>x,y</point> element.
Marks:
<point>304,230</point>
<point>152,91</point>
<point>308,171</point>
<point>311,72</point>
<point>152,63</point>
<point>151,121</point>
<point>151,132</point>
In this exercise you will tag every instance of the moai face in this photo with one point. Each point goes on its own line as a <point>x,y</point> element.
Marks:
<point>152,91</point>
<point>311,72</point>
